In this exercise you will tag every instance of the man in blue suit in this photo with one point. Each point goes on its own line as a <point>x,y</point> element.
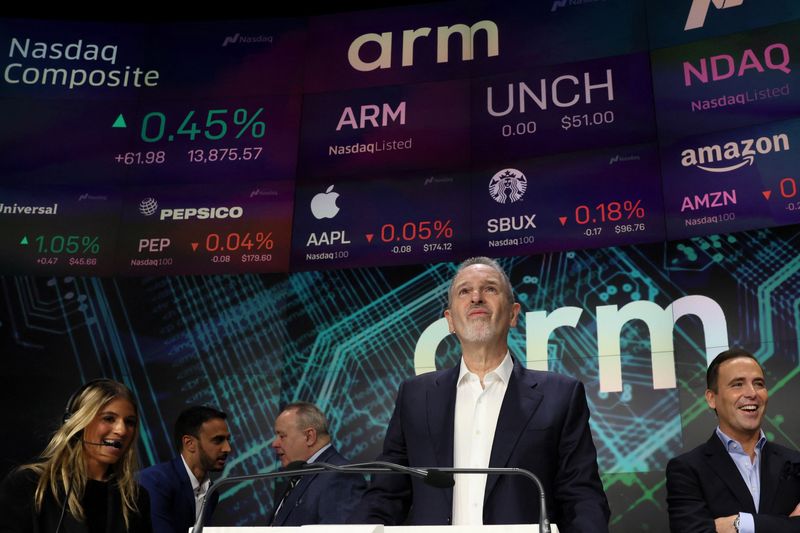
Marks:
<point>489,412</point>
<point>178,487</point>
<point>301,434</point>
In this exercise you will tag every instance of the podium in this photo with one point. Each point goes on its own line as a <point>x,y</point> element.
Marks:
<point>378,528</point>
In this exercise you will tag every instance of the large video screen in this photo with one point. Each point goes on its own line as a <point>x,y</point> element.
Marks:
<point>394,136</point>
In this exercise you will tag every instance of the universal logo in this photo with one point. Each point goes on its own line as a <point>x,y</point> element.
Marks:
<point>92,198</point>
<point>699,10</point>
<point>508,185</point>
<point>259,192</point>
<point>148,207</point>
<point>737,153</point>
<point>246,39</point>
<point>433,180</point>
<point>558,4</point>
<point>623,158</point>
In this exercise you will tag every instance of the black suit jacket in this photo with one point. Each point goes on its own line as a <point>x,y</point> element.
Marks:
<point>321,498</point>
<point>705,484</point>
<point>171,497</point>
<point>543,427</point>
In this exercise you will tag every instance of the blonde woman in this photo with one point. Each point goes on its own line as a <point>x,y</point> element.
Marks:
<point>84,481</point>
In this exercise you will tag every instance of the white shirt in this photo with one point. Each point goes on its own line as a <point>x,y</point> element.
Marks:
<point>199,489</point>
<point>477,411</point>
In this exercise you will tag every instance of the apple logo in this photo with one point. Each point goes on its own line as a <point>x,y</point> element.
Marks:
<point>323,205</point>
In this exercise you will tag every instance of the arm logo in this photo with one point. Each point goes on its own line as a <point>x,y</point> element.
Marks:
<point>699,10</point>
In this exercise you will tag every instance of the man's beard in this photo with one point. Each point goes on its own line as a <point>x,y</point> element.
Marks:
<point>477,331</point>
<point>208,463</point>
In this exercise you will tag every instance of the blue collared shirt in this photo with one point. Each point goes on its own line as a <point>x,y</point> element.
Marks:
<point>750,472</point>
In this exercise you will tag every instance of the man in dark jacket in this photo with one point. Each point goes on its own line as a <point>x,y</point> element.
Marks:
<point>178,487</point>
<point>736,482</point>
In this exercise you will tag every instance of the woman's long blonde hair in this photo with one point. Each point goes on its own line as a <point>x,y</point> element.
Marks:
<point>63,470</point>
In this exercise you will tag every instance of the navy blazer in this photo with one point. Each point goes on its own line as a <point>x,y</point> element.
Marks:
<point>543,427</point>
<point>321,498</point>
<point>705,484</point>
<point>171,497</point>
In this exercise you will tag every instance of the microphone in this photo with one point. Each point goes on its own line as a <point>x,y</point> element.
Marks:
<point>447,473</point>
<point>109,443</point>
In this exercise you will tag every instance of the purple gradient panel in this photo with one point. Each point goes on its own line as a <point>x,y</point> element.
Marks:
<point>58,230</point>
<point>573,201</point>
<point>252,233</point>
<point>728,82</point>
<point>368,49</point>
<point>554,31</point>
<point>72,60</point>
<point>62,141</point>
<point>732,181</point>
<point>331,37</point>
<point>418,218</point>
<point>228,58</point>
<point>385,129</point>
<point>563,108</point>
<point>206,141</point>
<point>672,23</point>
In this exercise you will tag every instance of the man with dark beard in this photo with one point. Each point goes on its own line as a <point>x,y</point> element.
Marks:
<point>178,487</point>
<point>489,411</point>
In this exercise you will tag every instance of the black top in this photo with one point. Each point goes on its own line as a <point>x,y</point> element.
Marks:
<point>94,505</point>
<point>101,502</point>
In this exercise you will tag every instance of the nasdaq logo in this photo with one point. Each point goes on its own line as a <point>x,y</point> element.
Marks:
<point>558,4</point>
<point>508,185</point>
<point>246,39</point>
<point>699,10</point>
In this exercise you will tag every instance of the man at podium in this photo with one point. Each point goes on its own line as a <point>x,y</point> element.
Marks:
<point>489,411</point>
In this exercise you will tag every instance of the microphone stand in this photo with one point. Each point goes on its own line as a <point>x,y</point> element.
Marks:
<point>544,523</point>
<point>302,469</point>
<point>430,475</point>
<point>231,480</point>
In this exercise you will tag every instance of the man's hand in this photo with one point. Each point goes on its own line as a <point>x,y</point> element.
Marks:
<point>724,524</point>
<point>796,511</point>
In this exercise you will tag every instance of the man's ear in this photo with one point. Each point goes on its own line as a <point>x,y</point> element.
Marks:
<point>189,443</point>
<point>449,319</point>
<point>311,436</point>
<point>711,399</point>
<point>514,314</point>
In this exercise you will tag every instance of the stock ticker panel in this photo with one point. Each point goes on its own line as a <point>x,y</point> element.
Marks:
<point>210,142</point>
<point>733,180</point>
<point>58,230</point>
<point>414,218</point>
<point>100,142</point>
<point>727,82</point>
<point>571,201</point>
<point>195,230</point>
<point>386,129</point>
<point>563,108</point>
